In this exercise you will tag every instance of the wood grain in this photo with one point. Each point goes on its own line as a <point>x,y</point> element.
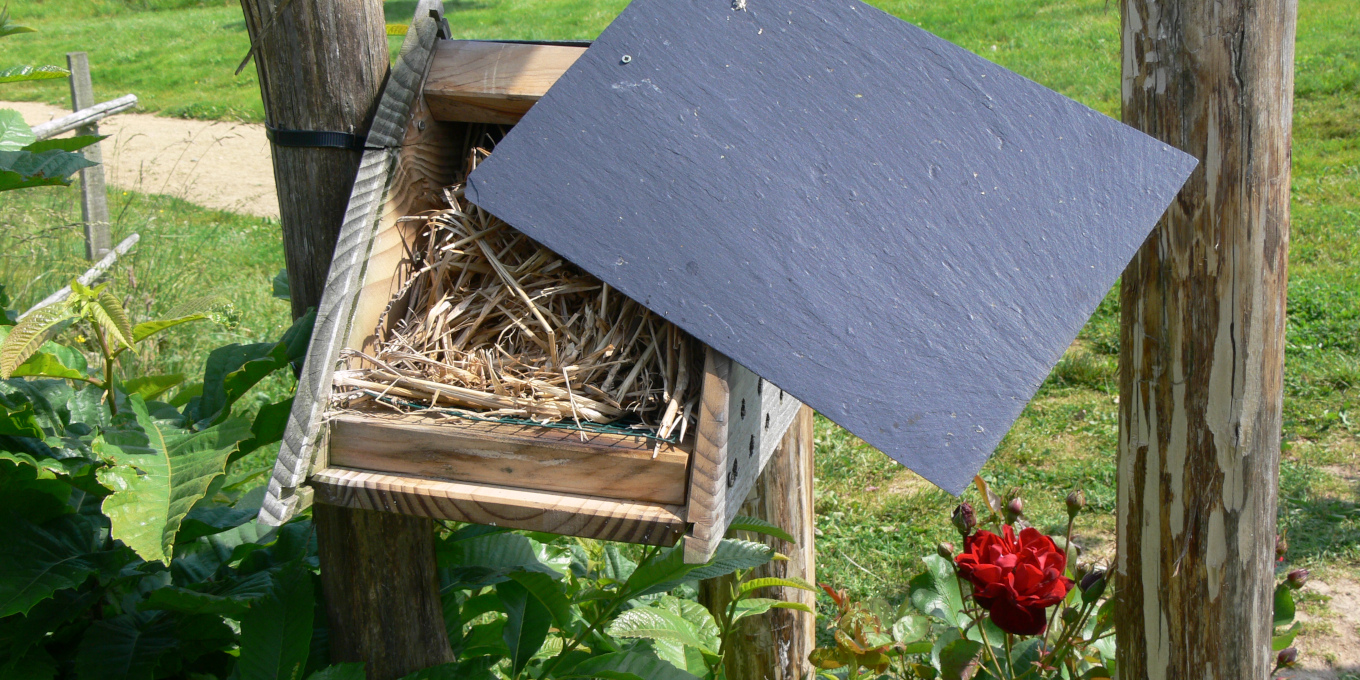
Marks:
<point>346,275</point>
<point>1202,341</point>
<point>586,516</point>
<point>94,199</point>
<point>526,457</point>
<point>383,566</point>
<point>775,645</point>
<point>742,419</point>
<point>489,82</point>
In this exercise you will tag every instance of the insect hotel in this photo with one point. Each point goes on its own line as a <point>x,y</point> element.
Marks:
<point>557,319</point>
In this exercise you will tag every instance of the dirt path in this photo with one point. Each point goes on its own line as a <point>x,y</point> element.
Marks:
<point>213,164</point>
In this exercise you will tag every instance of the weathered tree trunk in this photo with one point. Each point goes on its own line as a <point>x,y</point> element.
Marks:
<point>775,645</point>
<point>321,65</point>
<point>1203,307</point>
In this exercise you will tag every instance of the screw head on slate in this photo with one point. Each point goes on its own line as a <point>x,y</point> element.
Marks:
<point>626,58</point>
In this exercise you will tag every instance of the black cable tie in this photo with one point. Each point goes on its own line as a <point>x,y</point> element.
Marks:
<point>325,139</point>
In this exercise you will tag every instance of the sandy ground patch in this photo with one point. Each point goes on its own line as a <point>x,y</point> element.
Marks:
<point>213,164</point>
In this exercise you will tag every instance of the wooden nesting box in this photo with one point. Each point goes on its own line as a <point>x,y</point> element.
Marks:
<point>606,486</point>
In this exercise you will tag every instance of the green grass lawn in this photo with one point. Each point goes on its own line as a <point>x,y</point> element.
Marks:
<point>875,518</point>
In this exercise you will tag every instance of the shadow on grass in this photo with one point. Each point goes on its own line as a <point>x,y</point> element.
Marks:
<point>1319,525</point>
<point>401,11</point>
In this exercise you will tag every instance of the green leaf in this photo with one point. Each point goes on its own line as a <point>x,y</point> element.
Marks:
<point>270,422</point>
<point>633,664</point>
<point>159,471</point>
<point>38,560</point>
<point>276,633</point>
<point>125,647</point>
<point>108,312</point>
<point>655,623</point>
<point>697,615</point>
<point>22,169</point>
<point>668,569</point>
<point>21,422</point>
<point>755,606</point>
<point>64,143</point>
<point>149,387</point>
<point>44,365</point>
<point>341,671</point>
<point>147,329</point>
<point>488,559</point>
<point>471,669</point>
<point>28,335</point>
<point>15,134</point>
<point>550,593</point>
<point>526,625</point>
<point>1286,638</point>
<point>955,658</point>
<point>229,598</point>
<point>280,285</point>
<point>936,592</point>
<point>18,74</point>
<point>1284,605</point>
<point>910,629</point>
<point>772,582</point>
<point>760,526</point>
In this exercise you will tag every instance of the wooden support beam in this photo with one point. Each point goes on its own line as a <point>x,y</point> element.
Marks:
<point>86,116</point>
<point>94,199</point>
<point>528,457</point>
<point>606,519</point>
<point>775,645</point>
<point>1203,313</point>
<point>742,419</point>
<point>489,82</point>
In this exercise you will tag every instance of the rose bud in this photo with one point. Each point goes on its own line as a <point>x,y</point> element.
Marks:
<point>1092,578</point>
<point>1075,502</point>
<point>1014,510</point>
<point>964,518</point>
<point>1281,547</point>
<point>1070,615</point>
<point>945,550</point>
<point>1287,656</point>
<point>1297,578</point>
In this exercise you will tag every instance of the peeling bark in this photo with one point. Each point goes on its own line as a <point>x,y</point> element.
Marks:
<point>1203,311</point>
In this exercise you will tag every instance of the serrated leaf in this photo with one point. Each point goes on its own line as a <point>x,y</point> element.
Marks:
<point>755,606</point>
<point>634,664</point>
<point>29,334</point>
<point>1286,638</point>
<point>910,629</point>
<point>38,560</point>
<point>526,624</point>
<point>772,582</point>
<point>147,329</point>
<point>956,657</point>
<point>44,365</point>
<point>19,169</point>
<point>697,615</point>
<point>550,593</point>
<point>936,592</point>
<point>229,598</point>
<point>668,569</point>
<point>125,647</point>
<point>760,526</point>
<point>18,74</point>
<point>15,134</point>
<point>159,471</point>
<point>657,623</point>
<point>276,633</point>
<point>108,312</point>
<point>149,387</point>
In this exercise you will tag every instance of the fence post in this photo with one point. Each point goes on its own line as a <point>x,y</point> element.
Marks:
<point>94,201</point>
<point>775,645</point>
<point>1203,312</point>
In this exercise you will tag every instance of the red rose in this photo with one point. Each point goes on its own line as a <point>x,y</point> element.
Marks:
<point>1015,580</point>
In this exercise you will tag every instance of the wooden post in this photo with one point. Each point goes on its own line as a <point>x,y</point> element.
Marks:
<point>1203,307</point>
<point>775,645</point>
<point>94,201</point>
<point>321,66</point>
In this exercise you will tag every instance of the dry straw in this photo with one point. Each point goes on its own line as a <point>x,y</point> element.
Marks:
<point>487,320</point>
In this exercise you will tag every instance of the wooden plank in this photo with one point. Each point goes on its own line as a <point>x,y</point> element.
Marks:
<point>526,457</point>
<point>94,199</point>
<point>336,311</point>
<point>570,514</point>
<point>87,116</point>
<point>489,82</point>
<point>742,419</point>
